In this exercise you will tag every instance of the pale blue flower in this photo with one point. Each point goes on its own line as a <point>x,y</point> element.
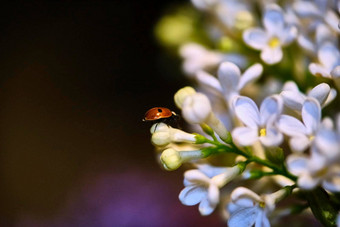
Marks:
<point>270,40</point>
<point>259,124</point>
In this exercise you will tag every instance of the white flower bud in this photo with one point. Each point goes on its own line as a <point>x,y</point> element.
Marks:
<point>172,159</point>
<point>196,108</point>
<point>181,94</point>
<point>165,135</point>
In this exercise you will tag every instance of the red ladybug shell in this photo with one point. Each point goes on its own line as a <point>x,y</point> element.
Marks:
<point>157,113</point>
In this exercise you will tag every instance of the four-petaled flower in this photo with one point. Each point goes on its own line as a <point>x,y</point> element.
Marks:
<point>276,35</point>
<point>247,208</point>
<point>203,186</point>
<point>302,133</point>
<point>259,124</point>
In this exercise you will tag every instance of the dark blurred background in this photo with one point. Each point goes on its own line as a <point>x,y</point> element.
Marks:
<point>76,78</point>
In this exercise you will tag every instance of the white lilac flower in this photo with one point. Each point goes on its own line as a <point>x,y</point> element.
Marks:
<point>247,208</point>
<point>338,217</point>
<point>203,186</point>
<point>314,170</point>
<point>321,34</point>
<point>163,134</point>
<point>258,123</point>
<point>277,34</point>
<point>196,109</point>
<point>230,81</point>
<point>329,62</point>
<point>294,99</point>
<point>302,133</point>
<point>173,159</point>
<point>197,57</point>
<point>327,140</point>
<point>319,11</point>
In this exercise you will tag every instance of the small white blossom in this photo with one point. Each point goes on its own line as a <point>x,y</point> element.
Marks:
<point>202,186</point>
<point>314,170</point>
<point>258,123</point>
<point>329,62</point>
<point>294,99</point>
<point>302,133</point>
<point>318,11</point>
<point>276,35</point>
<point>230,81</point>
<point>247,208</point>
<point>197,57</point>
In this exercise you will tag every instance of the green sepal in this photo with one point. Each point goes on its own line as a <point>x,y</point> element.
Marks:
<point>200,139</point>
<point>207,129</point>
<point>321,206</point>
<point>207,151</point>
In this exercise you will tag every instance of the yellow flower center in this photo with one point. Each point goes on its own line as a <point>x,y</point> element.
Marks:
<point>262,204</point>
<point>262,132</point>
<point>274,42</point>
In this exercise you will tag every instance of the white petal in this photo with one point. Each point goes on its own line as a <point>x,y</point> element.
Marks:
<point>297,164</point>
<point>331,96</point>
<point>327,142</point>
<point>247,111</point>
<point>323,34</point>
<point>320,92</point>
<point>208,80</point>
<point>332,184</point>
<point>196,176</point>
<point>213,195</point>
<point>251,74</point>
<point>271,55</point>
<point>210,170</point>
<point>243,217</point>
<point>335,73</point>
<point>262,220</point>
<point>306,43</point>
<point>229,76</point>
<point>307,182</point>
<point>255,38</point>
<point>270,108</point>
<point>332,19</point>
<point>329,55</point>
<point>290,86</point>
<point>293,99</point>
<point>192,195</point>
<point>205,207</point>
<point>319,70</point>
<point>245,136</point>
<point>299,143</point>
<point>291,126</point>
<point>273,19</point>
<point>306,9</point>
<point>196,108</point>
<point>288,35</point>
<point>311,115</point>
<point>242,192</point>
<point>273,137</point>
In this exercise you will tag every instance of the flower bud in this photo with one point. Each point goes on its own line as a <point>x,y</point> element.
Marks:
<point>196,108</point>
<point>172,159</point>
<point>181,94</point>
<point>165,134</point>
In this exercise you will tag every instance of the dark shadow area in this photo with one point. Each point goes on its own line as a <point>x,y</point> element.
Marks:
<point>75,80</point>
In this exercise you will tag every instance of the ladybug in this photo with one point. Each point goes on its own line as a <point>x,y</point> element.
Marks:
<point>160,114</point>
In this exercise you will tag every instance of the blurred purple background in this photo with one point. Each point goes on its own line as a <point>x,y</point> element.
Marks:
<point>76,78</point>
